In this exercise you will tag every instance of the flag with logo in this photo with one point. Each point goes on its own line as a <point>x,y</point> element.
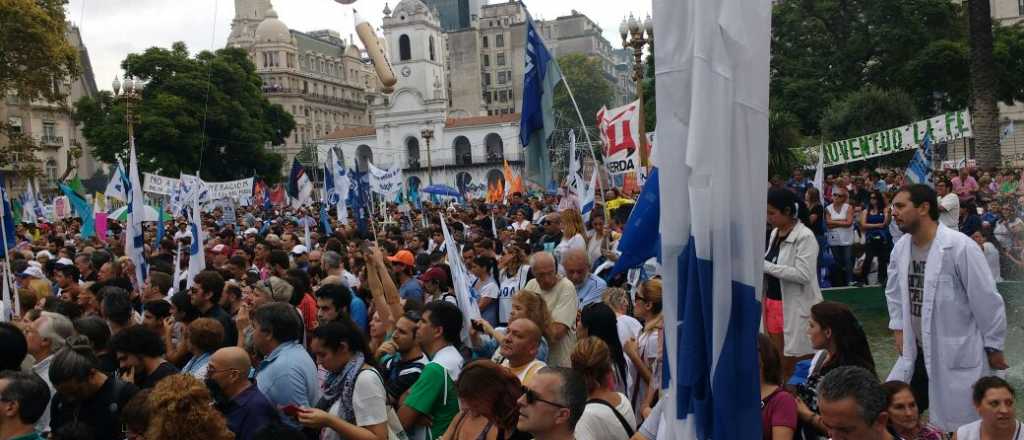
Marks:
<point>620,132</point>
<point>538,115</point>
<point>337,184</point>
<point>99,210</point>
<point>712,88</point>
<point>134,234</point>
<point>465,297</point>
<point>919,170</point>
<point>300,188</point>
<point>115,188</point>
<point>589,196</point>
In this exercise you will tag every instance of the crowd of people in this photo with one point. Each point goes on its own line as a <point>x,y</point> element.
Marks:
<point>358,334</point>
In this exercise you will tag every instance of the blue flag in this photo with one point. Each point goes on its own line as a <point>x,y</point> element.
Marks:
<point>8,217</point>
<point>538,117</point>
<point>160,223</point>
<point>83,208</point>
<point>267,205</point>
<point>919,170</point>
<point>640,237</point>
<point>359,199</point>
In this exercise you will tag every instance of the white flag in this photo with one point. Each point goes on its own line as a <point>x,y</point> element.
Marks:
<point>135,241</point>
<point>712,87</point>
<point>196,254</point>
<point>589,195</point>
<point>116,188</point>
<point>341,185</point>
<point>464,297</point>
<point>819,176</point>
<point>575,177</point>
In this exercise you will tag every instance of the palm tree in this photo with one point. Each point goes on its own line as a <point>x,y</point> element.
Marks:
<point>984,112</point>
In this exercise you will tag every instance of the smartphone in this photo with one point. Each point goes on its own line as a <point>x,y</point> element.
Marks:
<point>291,410</point>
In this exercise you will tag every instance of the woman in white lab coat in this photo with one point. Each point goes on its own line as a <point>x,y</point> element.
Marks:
<point>790,280</point>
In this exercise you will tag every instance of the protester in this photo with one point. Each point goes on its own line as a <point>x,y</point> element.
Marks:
<point>246,408</point>
<point>405,361</point>
<point>45,337</point>
<point>204,337</point>
<point>948,204</point>
<point>560,296</point>
<point>431,400</point>
<point>950,298</point>
<point>874,223</point>
<point>645,352</point>
<point>839,220</point>
<point>184,409</point>
<point>24,397</point>
<point>589,287</point>
<point>85,395</point>
<point>205,296</point>
<point>486,287</point>
<point>607,414</point>
<point>778,406</point>
<point>853,405</point>
<point>552,403</point>
<point>487,398</point>
<point>995,401</point>
<point>140,356</point>
<point>15,348</point>
<point>790,280</point>
<point>513,275</point>
<point>598,320</point>
<point>905,421</point>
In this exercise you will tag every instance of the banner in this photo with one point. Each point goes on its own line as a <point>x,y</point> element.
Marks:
<point>943,128</point>
<point>234,189</point>
<point>620,131</point>
<point>61,207</point>
<point>227,208</point>
<point>386,182</point>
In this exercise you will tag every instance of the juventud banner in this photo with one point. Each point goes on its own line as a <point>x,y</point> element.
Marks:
<point>945,127</point>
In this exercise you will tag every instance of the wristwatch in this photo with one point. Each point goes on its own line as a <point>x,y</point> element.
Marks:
<point>990,350</point>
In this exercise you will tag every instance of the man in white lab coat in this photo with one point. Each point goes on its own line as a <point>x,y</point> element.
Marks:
<point>942,302</point>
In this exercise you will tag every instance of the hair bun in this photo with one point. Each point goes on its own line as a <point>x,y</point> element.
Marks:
<point>79,342</point>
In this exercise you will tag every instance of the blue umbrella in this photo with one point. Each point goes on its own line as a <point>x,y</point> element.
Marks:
<point>442,190</point>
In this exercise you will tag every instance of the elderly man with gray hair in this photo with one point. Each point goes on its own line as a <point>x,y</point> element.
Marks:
<point>853,405</point>
<point>46,336</point>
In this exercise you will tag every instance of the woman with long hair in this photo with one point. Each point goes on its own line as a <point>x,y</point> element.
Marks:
<point>525,304</point>
<point>573,233</point>
<point>790,279</point>
<point>874,222</point>
<point>645,351</point>
<point>487,401</point>
<point>599,238</point>
<point>905,421</point>
<point>778,406</point>
<point>599,320</point>
<point>353,404</point>
<point>183,408</point>
<point>514,273</point>
<point>483,269</point>
<point>607,414</point>
<point>840,340</point>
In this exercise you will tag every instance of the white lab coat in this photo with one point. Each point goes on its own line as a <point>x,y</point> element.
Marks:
<point>961,314</point>
<point>797,274</point>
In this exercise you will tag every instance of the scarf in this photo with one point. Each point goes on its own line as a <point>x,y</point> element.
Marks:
<point>341,385</point>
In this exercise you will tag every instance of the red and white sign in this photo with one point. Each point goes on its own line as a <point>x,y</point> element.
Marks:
<point>620,131</point>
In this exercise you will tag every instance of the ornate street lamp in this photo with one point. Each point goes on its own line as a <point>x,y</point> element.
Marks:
<point>428,134</point>
<point>633,36</point>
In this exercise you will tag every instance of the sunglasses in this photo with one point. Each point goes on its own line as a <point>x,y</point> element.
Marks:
<point>532,398</point>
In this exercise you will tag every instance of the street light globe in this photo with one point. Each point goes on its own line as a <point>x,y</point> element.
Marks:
<point>129,85</point>
<point>623,28</point>
<point>116,85</point>
<point>634,25</point>
<point>139,85</point>
<point>649,25</point>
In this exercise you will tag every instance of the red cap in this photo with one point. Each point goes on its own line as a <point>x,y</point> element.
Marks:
<point>433,274</point>
<point>403,257</point>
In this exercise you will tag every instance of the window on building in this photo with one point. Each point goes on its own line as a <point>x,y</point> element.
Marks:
<point>432,56</point>
<point>487,58</point>
<point>499,40</point>
<point>485,42</point>
<point>504,77</point>
<point>1020,7</point>
<point>14,124</point>
<point>501,59</point>
<point>487,80</point>
<point>404,48</point>
<point>49,130</point>
<point>51,170</point>
<point>503,96</point>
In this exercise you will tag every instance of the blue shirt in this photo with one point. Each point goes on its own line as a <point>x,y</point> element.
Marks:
<point>357,311</point>
<point>197,366</point>
<point>411,289</point>
<point>288,377</point>
<point>591,290</point>
<point>249,412</point>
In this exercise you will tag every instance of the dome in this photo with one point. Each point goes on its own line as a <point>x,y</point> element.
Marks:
<point>353,51</point>
<point>408,8</point>
<point>272,30</point>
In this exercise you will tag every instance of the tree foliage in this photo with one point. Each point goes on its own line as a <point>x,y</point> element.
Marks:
<point>591,89</point>
<point>868,110</point>
<point>202,113</point>
<point>783,134</point>
<point>34,49</point>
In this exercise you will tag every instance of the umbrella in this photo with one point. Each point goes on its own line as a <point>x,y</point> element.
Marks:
<point>442,190</point>
<point>148,214</point>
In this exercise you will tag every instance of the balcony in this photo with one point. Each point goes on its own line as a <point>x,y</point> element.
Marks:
<point>324,99</point>
<point>51,141</point>
<point>448,159</point>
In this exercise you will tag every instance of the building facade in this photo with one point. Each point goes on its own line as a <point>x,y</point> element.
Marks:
<point>322,80</point>
<point>52,125</point>
<point>1008,13</point>
<point>463,151</point>
<point>455,14</point>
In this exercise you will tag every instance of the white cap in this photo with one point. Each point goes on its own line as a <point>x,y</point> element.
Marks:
<point>44,253</point>
<point>299,250</point>
<point>33,272</point>
<point>65,262</point>
<point>252,231</point>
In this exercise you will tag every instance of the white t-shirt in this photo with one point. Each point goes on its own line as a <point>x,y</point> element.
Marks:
<point>915,284</point>
<point>509,285</point>
<point>574,242</point>
<point>598,422</point>
<point>951,216</point>
<point>368,403</point>
<point>839,236</point>
<point>629,327</point>
<point>992,257</point>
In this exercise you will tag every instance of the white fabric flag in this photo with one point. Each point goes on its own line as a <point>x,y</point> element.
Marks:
<point>134,234</point>
<point>115,189</point>
<point>819,176</point>
<point>387,182</point>
<point>177,274</point>
<point>7,312</point>
<point>574,184</point>
<point>341,186</point>
<point>196,253</point>
<point>464,296</point>
<point>589,195</point>
<point>712,88</point>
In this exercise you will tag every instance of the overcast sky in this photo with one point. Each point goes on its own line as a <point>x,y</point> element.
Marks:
<point>114,28</point>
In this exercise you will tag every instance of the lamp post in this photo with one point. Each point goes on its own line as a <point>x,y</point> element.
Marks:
<point>132,94</point>
<point>428,134</point>
<point>633,36</point>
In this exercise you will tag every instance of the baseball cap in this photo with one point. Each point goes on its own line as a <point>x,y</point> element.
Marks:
<point>299,250</point>
<point>33,272</point>
<point>44,253</point>
<point>219,249</point>
<point>252,231</point>
<point>403,257</point>
<point>65,262</point>
<point>433,274</point>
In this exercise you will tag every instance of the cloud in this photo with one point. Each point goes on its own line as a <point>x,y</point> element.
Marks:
<point>114,28</point>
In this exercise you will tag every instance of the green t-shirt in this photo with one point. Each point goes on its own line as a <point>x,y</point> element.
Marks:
<point>434,395</point>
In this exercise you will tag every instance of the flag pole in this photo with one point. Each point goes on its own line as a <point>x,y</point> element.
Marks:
<point>590,144</point>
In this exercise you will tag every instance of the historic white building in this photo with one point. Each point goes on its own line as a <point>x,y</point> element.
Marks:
<point>464,152</point>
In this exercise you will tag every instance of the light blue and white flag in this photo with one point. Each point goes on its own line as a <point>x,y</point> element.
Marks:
<point>135,241</point>
<point>464,294</point>
<point>712,88</point>
<point>537,120</point>
<point>589,195</point>
<point>919,170</point>
<point>574,184</point>
<point>337,184</point>
<point>196,253</point>
<point>116,188</point>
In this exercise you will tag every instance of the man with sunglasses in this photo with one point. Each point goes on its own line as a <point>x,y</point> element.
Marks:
<point>552,403</point>
<point>246,409</point>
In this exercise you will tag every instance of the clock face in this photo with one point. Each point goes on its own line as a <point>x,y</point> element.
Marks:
<point>406,71</point>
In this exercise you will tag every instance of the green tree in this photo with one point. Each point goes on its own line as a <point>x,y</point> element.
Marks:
<point>1008,51</point>
<point>589,85</point>
<point>783,135</point>
<point>204,113</point>
<point>866,111</point>
<point>33,48</point>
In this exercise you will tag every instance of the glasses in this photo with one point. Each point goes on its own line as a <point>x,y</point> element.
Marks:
<point>532,398</point>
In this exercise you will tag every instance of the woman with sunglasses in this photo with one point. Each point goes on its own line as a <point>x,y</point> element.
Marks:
<point>874,222</point>
<point>645,351</point>
<point>839,220</point>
